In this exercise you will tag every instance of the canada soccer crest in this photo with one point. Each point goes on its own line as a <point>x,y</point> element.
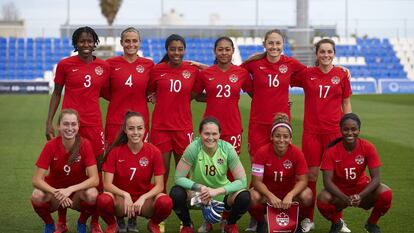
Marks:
<point>282,219</point>
<point>335,80</point>
<point>283,69</point>
<point>143,162</point>
<point>220,161</point>
<point>140,69</point>
<point>99,70</point>
<point>359,159</point>
<point>233,78</point>
<point>287,164</point>
<point>186,74</point>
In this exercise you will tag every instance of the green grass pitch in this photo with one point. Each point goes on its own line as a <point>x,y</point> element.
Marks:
<point>386,121</point>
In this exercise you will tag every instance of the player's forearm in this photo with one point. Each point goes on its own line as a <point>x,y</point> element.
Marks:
<point>42,185</point>
<point>299,187</point>
<point>235,186</point>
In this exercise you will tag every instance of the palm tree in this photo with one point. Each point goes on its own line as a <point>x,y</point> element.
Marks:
<point>109,9</point>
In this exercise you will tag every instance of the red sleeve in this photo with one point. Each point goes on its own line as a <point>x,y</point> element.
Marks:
<point>87,152</point>
<point>151,81</point>
<point>298,79</point>
<point>199,83</point>
<point>347,91</point>
<point>247,84</point>
<point>158,162</point>
<point>46,155</point>
<point>246,65</point>
<point>260,156</point>
<point>60,74</point>
<point>327,161</point>
<point>373,158</point>
<point>110,162</point>
<point>301,165</point>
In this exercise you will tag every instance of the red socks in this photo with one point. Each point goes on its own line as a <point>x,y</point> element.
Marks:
<point>162,209</point>
<point>381,206</point>
<point>258,212</point>
<point>329,211</point>
<point>62,214</point>
<point>106,208</point>
<point>43,210</point>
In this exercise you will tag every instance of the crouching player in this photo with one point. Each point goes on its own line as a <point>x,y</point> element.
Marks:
<point>72,176</point>
<point>207,159</point>
<point>345,181</point>
<point>279,173</point>
<point>128,169</point>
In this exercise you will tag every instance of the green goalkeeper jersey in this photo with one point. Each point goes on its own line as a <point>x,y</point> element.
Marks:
<point>211,171</point>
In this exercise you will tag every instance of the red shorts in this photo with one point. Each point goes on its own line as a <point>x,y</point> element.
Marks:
<point>112,131</point>
<point>175,141</point>
<point>314,146</point>
<point>234,139</point>
<point>259,135</point>
<point>96,136</point>
<point>354,189</point>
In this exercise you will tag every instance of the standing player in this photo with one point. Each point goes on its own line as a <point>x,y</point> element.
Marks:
<point>72,175</point>
<point>223,82</point>
<point>208,159</point>
<point>327,97</point>
<point>127,90</point>
<point>271,72</point>
<point>279,173</point>
<point>345,181</point>
<point>83,76</point>
<point>172,81</point>
<point>127,84</point>
<point>130,165</point>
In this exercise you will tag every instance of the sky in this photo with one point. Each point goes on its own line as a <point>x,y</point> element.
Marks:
<point>375,18</point>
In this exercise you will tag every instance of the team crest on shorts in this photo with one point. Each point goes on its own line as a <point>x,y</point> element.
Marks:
<point>143,161</point>
<point>233,78</point>
<point>359,159</point>
<point>98,70</point>
<point>287,164</point>
<point>140,69</point>
<point>283,69</point>
<point>220,161</point>
<point>186,74</point>
<point>282,219</point>
<point>335,80</point>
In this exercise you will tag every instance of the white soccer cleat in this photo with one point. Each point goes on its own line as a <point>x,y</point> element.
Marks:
<point>345,228</point>
<point>252,225</point>
<point>307,225</point>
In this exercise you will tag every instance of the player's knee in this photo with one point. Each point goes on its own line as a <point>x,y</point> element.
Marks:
<point>306,197</point>
<point>255,197</point>
<point>178,196</point>
<point>242,201</point>
<point>91,195</point>
<point>38,196</point>
<point>324,196</point>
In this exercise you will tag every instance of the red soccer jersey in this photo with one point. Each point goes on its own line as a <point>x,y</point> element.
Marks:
<point>271,87</point>
<point>173,88</point>
<point>223,94</point>
<point>54,158</point>
<point>349,169</point>
<point>279,174</point>
<point>133,172</point>
<point>83,82</point>
<point>128,87</point>
<point>324,94</point>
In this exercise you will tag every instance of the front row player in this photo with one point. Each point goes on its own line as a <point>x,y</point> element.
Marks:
<point>345,181</point>
<point>72,176</point>
<point>279,173</point>
<point>128,169</point>
<point>208,158</point>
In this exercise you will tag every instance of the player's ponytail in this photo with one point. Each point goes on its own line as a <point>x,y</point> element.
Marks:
<point>122,138</point>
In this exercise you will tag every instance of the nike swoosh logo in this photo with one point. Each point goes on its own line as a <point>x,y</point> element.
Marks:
<point>117,68</point>
<point>210,79</point>
<point>337,161</point>
<point>313,79</point>
<point>74,70</point>
<point>55,158</point>
<point>121,160</point>
<point>262,67</point>
<point>162,75</point>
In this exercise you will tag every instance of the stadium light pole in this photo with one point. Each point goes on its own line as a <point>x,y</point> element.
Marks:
<point>257,13</point>
<point>346,18</point>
